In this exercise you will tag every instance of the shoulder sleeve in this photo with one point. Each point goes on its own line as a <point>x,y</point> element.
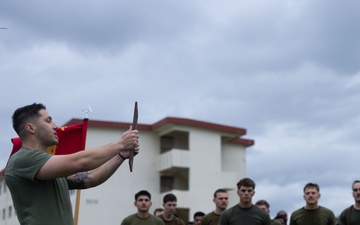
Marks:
<point>331,216</point>
<point>292,218</point>
<point>127,220</point>
<point>204,220</point>
<point>157,220</point>
<point>343,216</point>
<point>224,217</point>
<point>29,162</point>
<point>181,221</point>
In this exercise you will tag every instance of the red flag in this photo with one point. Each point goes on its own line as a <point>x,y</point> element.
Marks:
<point>72,139</point>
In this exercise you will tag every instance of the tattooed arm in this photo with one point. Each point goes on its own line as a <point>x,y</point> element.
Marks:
<point>83,180</point>
<point>77,181</point>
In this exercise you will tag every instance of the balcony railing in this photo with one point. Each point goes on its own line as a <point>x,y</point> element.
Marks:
<point>174,158</point>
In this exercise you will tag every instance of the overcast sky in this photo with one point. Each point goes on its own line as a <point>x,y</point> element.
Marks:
<point>285,70</point>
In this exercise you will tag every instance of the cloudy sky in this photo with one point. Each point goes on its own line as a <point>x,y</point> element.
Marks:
<point>286,70</point>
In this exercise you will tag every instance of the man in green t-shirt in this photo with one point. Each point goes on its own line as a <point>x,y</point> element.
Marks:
<point>221,200</point>
<point>312,213</point>
<point>245,212</point>
<point>169,217</point>
<point>142,217</point>
<point>351,215</point>
<point>39,183</point>
<point>264,205</point>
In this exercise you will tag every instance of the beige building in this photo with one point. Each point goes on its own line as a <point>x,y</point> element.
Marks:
<point>188,158</point>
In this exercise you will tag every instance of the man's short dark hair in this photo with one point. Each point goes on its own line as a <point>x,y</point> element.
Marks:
<point>169,198</point>
<point>158,210</point>
<point>263,202</point>
<point>312,185</point>
<point>142,192</point>
<point>355,182</point>
<point>246,182</point>
<point>198,214</point>
<point>220,190</point>
<point>23,114</point>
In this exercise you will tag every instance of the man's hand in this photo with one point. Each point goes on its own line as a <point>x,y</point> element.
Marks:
<point>130,140</point>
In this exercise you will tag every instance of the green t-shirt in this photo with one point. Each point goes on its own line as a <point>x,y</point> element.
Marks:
<point>319,216</point>
<point>37,202</point>
<point>174,221</point>
<point>350,216</point>
<point>135,220</point>
<point>210,219</point>
<point>244,216</point>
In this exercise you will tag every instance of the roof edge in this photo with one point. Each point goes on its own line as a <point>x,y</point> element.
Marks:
<point>167,120</point>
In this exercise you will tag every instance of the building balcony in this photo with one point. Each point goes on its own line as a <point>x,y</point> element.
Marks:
<point>175,158</point>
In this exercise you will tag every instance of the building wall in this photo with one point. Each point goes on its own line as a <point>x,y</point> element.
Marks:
<point>7,212</point>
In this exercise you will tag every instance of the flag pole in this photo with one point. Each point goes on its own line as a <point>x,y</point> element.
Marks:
<point>77,206</point>
<point>87,110</point>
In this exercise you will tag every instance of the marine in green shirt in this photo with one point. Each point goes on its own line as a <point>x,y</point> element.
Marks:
<point>312,213</point>
<point>351,215</point>
<point>221,200</point>
<point>245,212</point>
<point>142,217</point>
<point>169,217</point>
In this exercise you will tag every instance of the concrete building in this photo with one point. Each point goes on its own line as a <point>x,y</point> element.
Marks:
<point>188,158</point>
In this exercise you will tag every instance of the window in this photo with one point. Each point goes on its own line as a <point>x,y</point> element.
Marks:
<point>174,139</point>
<point>174,179</point>
<point>166,143</point>
<point>10,211</point>
<point>166,183</point>
<point>3,214</point>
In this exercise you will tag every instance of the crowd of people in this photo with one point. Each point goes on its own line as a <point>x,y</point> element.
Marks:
<point>39,181</point>
<point>246,212</point>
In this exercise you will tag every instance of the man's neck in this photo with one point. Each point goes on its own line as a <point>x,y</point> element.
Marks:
<point>143,215</point>
<point>33,146</point>
<point>357,205</point>
<point>311,206</point>
<point>168,217</point>
<point>218,211</point>
<point>245,205</point>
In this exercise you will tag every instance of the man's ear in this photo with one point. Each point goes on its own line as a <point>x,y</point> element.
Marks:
<point>30,128</point>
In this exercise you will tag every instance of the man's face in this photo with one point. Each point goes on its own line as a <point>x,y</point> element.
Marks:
<point>263,207</point>
<point>311,196</point>
<point>170,208</point>
<point>221,200</point>
<point>143,203</point>
<point>197,220</point>
<point>45,129</point>
<point>356,192</point>
<point>245,194</point>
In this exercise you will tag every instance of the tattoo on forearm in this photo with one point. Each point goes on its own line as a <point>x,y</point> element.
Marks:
<point>77,181</point>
